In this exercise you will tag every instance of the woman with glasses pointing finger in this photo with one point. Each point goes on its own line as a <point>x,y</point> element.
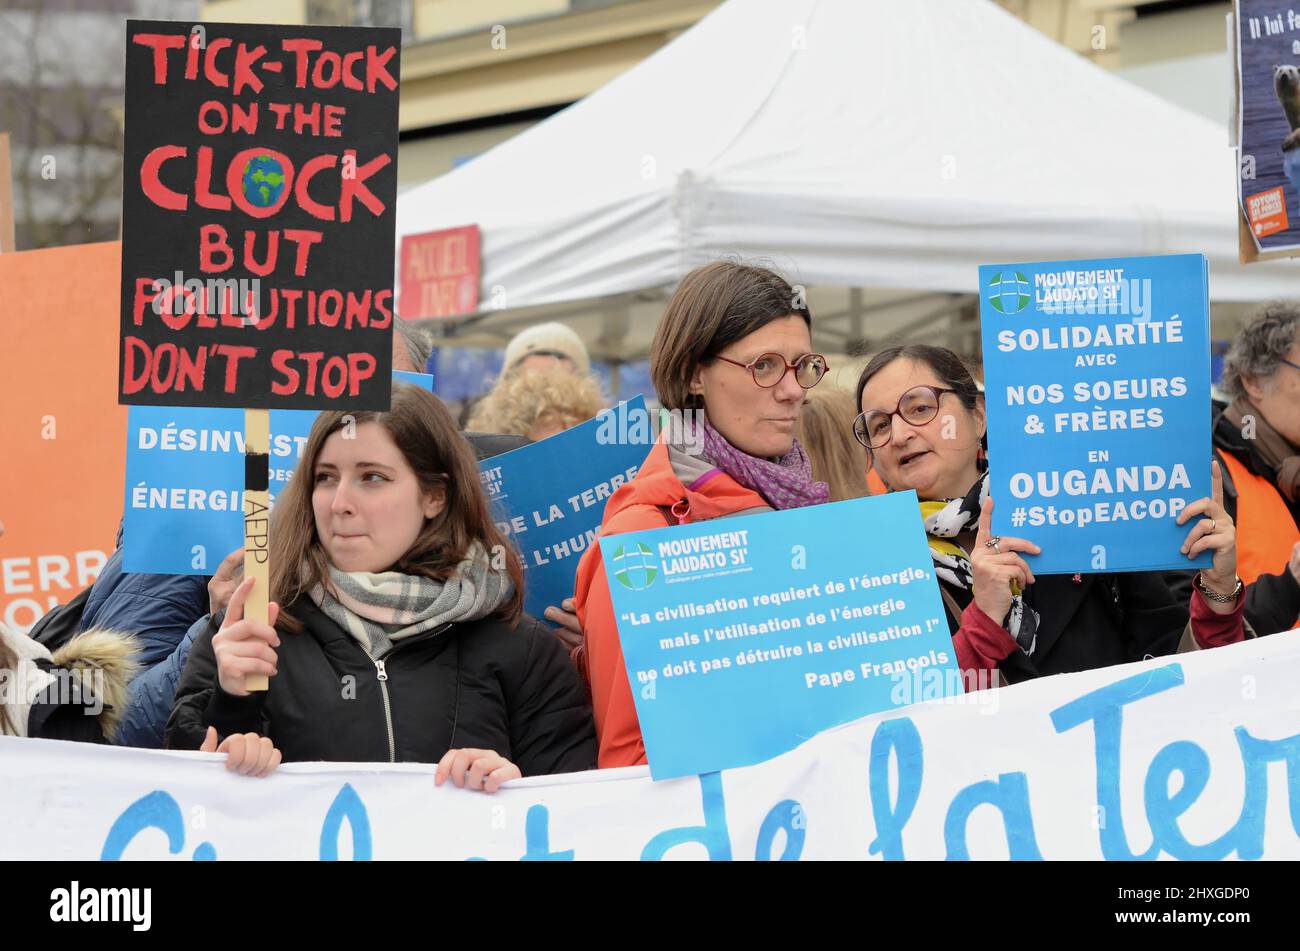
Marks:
<point>732,360</point>
<point>922,419</point>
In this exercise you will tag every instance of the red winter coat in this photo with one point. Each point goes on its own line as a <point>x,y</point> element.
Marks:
<point>643,503</point>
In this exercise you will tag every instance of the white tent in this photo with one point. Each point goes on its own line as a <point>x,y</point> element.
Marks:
<point>886,144</point>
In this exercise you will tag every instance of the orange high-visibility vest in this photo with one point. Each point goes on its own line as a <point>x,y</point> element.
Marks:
<point>1266,532</point>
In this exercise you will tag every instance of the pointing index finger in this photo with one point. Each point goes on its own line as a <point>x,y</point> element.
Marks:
<point>986,523</point>
<point>235,610</point>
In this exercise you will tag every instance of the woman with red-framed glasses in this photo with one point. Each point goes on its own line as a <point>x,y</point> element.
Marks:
<point>732,360</point>
<point>922,420</point>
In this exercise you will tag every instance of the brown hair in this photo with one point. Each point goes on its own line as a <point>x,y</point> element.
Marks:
<point>433,447</point>
<point>524,399</point>
<point>827,418</point>
<point>713,307</point>
<point>947,366</point>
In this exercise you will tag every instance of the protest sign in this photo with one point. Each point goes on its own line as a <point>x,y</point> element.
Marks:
<point>440,273</point>
<point>1077,766</point>
<point>256,152</point>
<point>550,497</point>
<point>743,637</point>
<point>1097,388</point>
<point>60,500</point>
<point>258,211</point>
<point>184,475</point>
<point>1267,111</point>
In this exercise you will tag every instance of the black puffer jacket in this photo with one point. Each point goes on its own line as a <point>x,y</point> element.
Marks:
<point>1098,620</point>
<point>480,684</point>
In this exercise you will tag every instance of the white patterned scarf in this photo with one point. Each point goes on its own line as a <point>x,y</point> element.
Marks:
<point>944,521</point>
<point>378,609</point>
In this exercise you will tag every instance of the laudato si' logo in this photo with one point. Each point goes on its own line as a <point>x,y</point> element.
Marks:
<point>635,566</point>
<point>1008,292</point>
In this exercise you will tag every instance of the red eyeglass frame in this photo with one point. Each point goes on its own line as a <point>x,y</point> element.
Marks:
<point>788,367</point>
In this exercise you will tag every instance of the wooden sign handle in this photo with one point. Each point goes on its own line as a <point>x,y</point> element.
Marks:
<point>7,243</point>
<point>257,522</point>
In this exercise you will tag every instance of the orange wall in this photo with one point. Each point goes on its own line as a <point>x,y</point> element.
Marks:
<point>60,497</point>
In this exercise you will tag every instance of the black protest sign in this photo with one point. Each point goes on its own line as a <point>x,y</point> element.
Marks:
<point>258,214</point>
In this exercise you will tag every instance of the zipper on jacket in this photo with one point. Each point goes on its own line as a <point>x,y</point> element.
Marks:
<point>381,673</point>
<point>388,710</point>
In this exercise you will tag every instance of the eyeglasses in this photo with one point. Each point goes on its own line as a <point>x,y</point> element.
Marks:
<point>769,369</point>
<point>916,407</point>
<point>1289,363</point>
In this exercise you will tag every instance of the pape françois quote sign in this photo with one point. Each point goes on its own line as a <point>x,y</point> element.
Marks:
<point>258,215</point>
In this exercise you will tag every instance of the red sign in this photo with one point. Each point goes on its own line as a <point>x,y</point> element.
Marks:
<point>440,272</point>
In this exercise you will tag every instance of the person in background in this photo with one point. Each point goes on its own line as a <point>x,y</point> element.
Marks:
<point>828,413</point>
<point>532,404</point>
<point>531,401</point>
<point>388,573</point>
<point>77,692</point>
<point>923,418</point>
<point>537,403</point>
<point>543,347</point>
<point>411,347</point>
<point>1257,440</point>
<point>735,349</point>
<point>546,347</point>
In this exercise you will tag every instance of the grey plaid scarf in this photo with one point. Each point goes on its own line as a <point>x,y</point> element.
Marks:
<point>378,609</point>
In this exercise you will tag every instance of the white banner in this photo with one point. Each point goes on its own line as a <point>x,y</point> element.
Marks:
<point>1190,757</point>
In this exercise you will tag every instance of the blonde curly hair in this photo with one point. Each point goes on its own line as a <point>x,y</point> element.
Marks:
<point>530,401</point>
<point>824,424</point>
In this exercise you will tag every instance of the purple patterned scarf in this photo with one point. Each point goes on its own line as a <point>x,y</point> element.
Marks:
<point>786,483</point>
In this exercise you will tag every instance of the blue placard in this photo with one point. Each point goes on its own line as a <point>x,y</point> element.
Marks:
<point>185,481</point>
<point>1097,385</point>
<point>550,497</point>
<point>744,637</point>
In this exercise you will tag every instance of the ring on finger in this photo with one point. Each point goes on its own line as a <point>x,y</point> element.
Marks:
<point>993,543</point>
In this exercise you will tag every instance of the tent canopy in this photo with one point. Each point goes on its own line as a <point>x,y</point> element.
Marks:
<point>882,144</point>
